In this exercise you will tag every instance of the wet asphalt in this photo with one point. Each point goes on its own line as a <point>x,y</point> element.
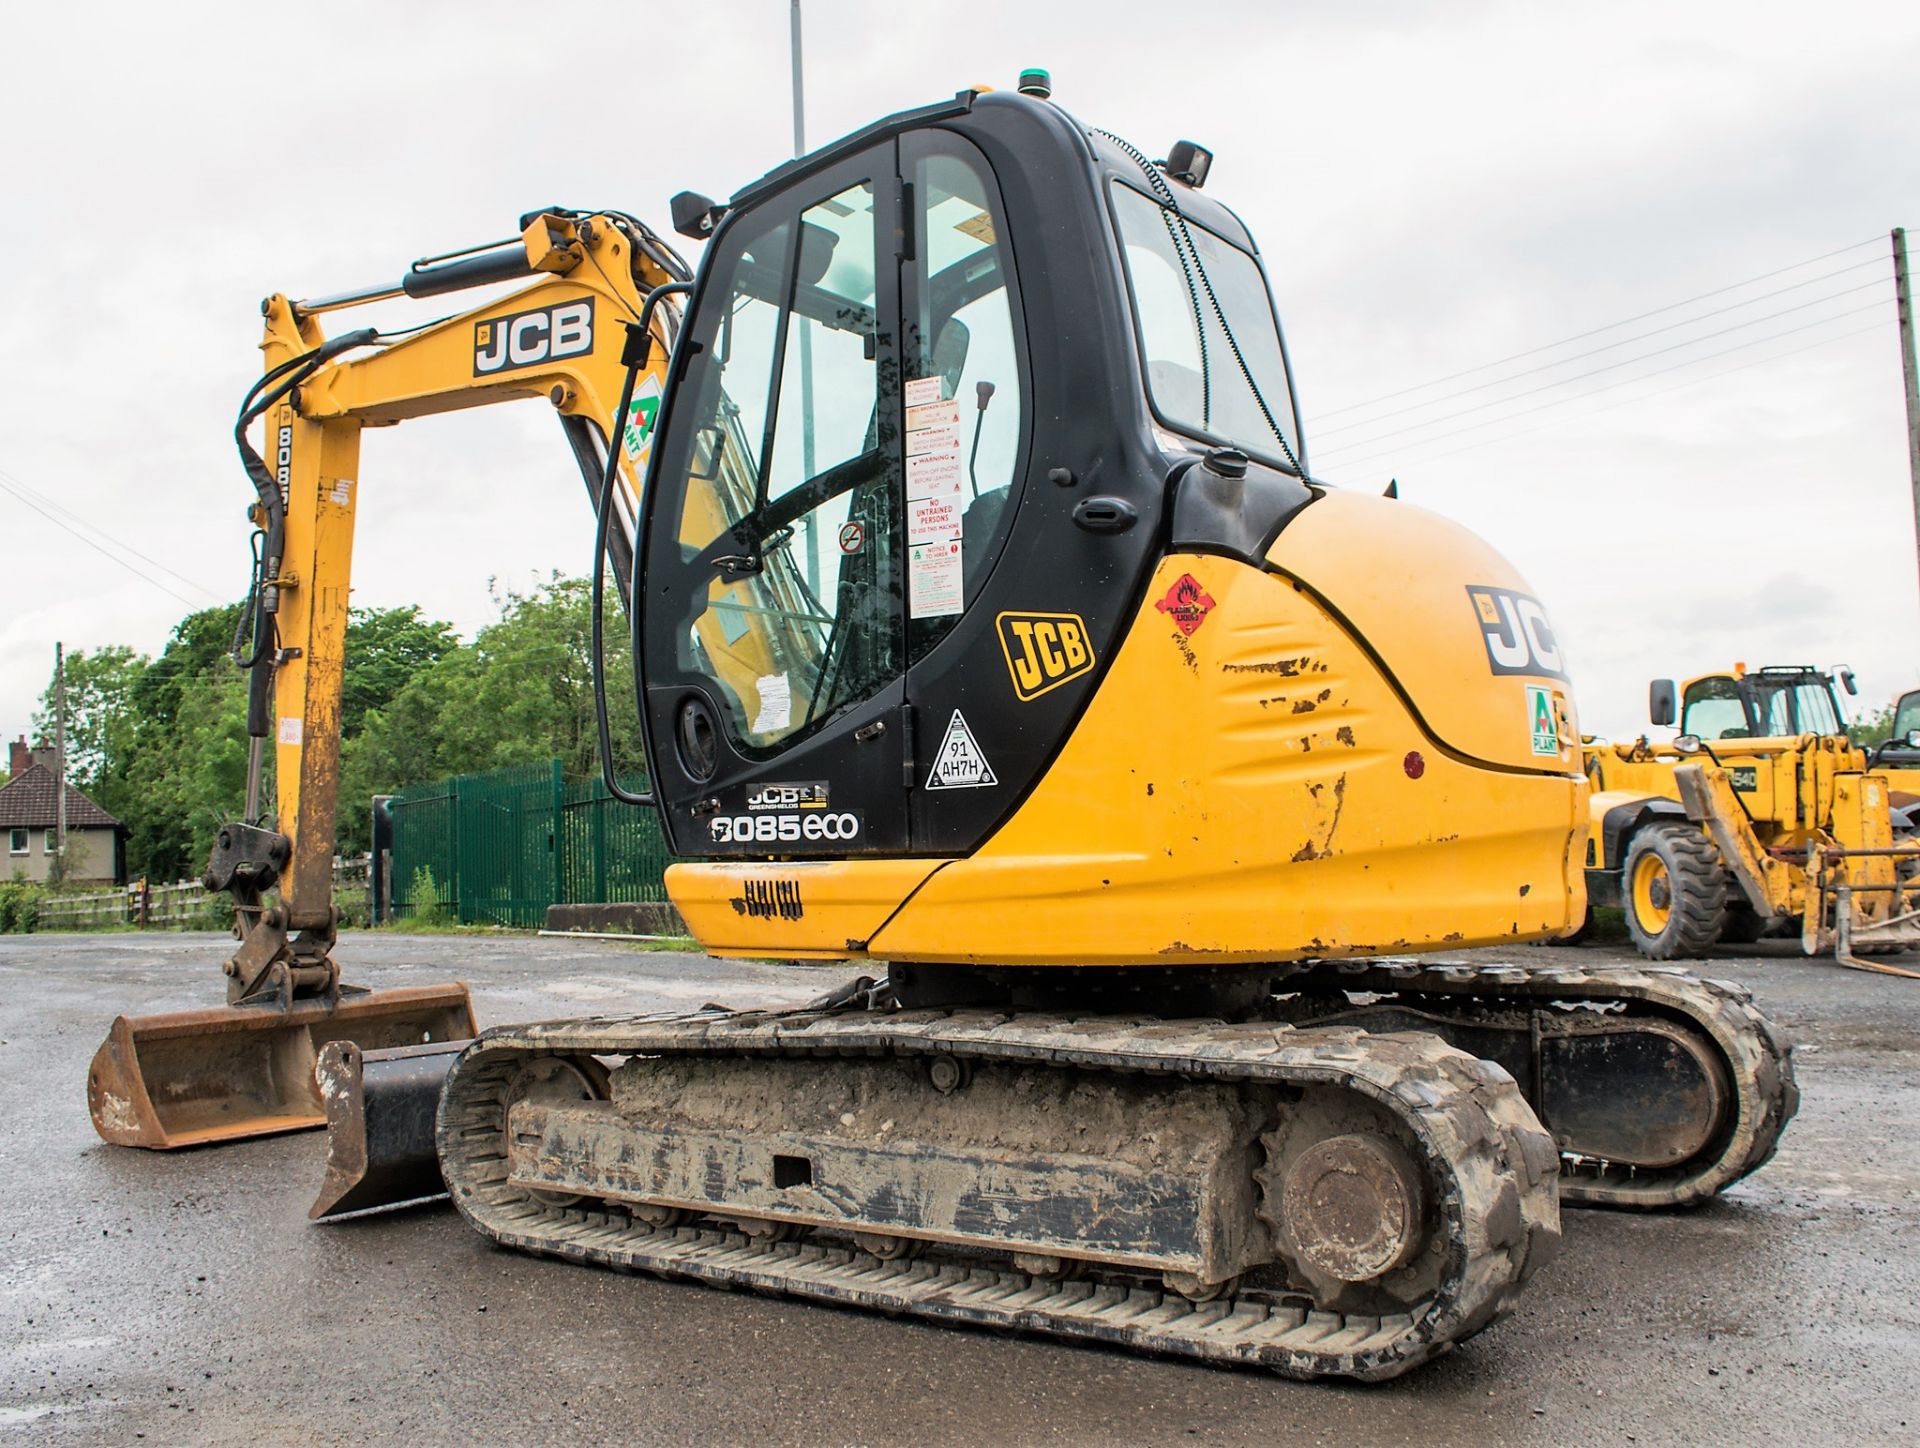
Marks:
<point>184,1298</point>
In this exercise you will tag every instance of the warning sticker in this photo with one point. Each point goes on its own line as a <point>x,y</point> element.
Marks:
<point>933,414</point>
<point>944,438</point>
<point>933,520</point>
<point>1187,604</point>
<point>933,579</point>
<point>853,537</point>
<point>922,390</point>
<point>1546,734</point>
<point>933,473</point>
<point>958,763</point>
<point>292,729</point>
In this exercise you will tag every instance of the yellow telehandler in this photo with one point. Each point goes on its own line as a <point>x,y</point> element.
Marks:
<point>991,630</point>
<point>1761,817</point>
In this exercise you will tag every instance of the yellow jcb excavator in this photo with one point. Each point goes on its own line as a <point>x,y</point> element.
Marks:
<point>990,628</point>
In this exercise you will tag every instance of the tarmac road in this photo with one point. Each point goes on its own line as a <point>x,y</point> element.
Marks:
<point>184,1298</point>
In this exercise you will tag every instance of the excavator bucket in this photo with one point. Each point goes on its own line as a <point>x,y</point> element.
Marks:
<point>380,1112</point>
<point>197,1078</point>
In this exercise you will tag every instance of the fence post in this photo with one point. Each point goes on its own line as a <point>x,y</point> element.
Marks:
<point>557,838</point>
<point>599,798</point>
<point>453,849</point>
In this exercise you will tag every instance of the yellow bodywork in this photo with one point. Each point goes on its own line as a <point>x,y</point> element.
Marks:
<point>1261,790</point>
<point>1794,820</point>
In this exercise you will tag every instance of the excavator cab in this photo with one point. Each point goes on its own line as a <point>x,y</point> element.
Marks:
<point>980,421</point>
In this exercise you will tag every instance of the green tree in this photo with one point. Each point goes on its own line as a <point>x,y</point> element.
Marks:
<point>1873,728</point>
<point>520,693</point>
<point>386,647</point>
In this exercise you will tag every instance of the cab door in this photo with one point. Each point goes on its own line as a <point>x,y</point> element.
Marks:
<point>771,601</point>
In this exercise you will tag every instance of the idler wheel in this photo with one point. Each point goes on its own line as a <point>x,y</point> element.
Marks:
<point>1352,1207</point>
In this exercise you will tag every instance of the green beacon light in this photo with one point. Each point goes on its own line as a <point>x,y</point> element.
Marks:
<point>1036,83</point>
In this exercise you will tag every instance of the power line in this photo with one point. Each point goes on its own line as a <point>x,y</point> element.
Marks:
<point>30,495</point>
<point>1605,387</point>
<point>1645,396</point>
<point>59,522</point>
<point>1611,326</point>
<point>1629,341</point>
<point>1628,362</point>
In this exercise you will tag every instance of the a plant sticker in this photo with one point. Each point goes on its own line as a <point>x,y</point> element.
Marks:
<point>1546,734</point>
<point>637,435</point>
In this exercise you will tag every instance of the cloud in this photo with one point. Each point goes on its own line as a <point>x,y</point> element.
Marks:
<point>1433,187</point>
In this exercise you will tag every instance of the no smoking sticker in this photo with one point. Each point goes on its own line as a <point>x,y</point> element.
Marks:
<point>853,537</point>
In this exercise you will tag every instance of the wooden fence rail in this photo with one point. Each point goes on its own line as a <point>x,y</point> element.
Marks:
<point>175,906</point>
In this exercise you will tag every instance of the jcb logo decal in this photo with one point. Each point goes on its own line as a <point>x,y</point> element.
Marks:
<point>1044,650</point>
<point>1515,630</point>
<point>526,339</point>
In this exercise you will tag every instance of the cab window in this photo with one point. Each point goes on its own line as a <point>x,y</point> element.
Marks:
<point>1714,710</point>
<point>1906,716</point>
<point>962,417</point>
<point>786,518</point>
<point>1814,706</point>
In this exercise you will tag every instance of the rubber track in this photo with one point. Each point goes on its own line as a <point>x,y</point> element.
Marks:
<point>1495,1164</point>
<point>1756,1056</point>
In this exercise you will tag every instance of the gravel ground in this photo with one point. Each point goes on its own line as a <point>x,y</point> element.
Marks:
<point>183,1297</point>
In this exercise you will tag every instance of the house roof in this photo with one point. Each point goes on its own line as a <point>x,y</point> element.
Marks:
<point>28,801</point>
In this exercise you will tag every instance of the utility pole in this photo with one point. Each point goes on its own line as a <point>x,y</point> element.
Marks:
<point>57,871</point>
<point>1903,302</point>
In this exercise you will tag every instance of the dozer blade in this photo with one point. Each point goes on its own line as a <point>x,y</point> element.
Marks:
<point>380,1110</point>
<point>194,1078</point>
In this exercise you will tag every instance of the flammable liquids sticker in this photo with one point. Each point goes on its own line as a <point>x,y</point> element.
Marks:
<point>959,762</point>
<point>934,580</point>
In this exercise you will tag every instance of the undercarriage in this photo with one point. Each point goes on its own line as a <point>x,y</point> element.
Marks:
<point>1345,1179</point>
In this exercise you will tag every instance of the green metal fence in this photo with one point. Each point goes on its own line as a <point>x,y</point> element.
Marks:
<point>499,848</point>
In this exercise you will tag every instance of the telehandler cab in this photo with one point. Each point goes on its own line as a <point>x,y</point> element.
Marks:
<point>991,629</point>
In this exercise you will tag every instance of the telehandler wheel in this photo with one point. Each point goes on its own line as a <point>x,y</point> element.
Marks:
<point>1675,891</point>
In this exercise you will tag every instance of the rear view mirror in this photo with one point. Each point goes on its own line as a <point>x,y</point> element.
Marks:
<point>1847,681</point>
<point>1660,702</point>
<point>1913,739</point>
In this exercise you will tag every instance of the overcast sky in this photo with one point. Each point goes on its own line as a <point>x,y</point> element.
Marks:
<point>1436,188</point>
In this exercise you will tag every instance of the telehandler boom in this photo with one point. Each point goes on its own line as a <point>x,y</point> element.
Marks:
<point>990,628</point>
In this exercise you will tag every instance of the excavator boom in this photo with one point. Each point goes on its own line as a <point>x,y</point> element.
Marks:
<point>248,1069</point>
